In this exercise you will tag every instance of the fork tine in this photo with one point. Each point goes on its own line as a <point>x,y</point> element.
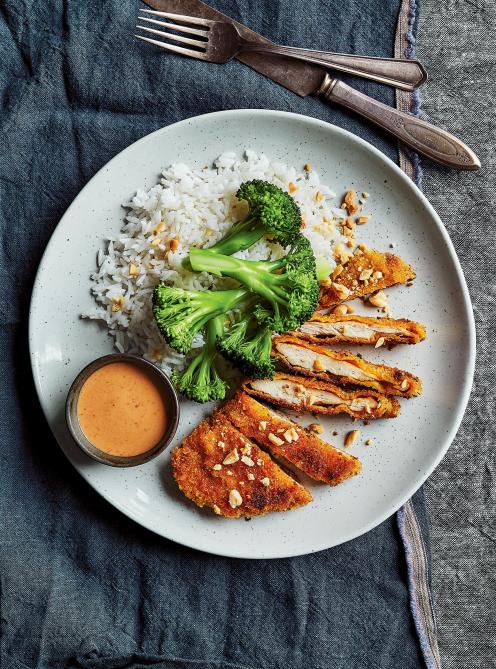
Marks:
<point>173,47</point>
<point>180,17</point>
<point>176,26</point>
<point>174,38</point>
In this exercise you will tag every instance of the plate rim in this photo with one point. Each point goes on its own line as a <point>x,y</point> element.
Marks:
<point>466,305</point>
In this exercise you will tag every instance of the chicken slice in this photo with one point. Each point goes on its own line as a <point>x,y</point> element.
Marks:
<point>354,329</point>
<point>302,393</point>
<point>366,272</point>
<point>217,466</point>
<point>288,440</point>
<point>343,368</point>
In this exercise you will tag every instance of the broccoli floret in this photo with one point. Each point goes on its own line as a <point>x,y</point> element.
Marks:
<point>248,347</point>
<point>201,381</point>
<point>271,212</point>
<point>288,286</point>
<point>180,314</point>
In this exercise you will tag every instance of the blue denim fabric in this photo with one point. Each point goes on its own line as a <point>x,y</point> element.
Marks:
<point>81,585</point>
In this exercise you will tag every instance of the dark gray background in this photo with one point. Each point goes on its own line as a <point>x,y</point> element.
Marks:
<point>457,43</point>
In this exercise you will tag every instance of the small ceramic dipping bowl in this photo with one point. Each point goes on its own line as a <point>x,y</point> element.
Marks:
<point>164,389</point>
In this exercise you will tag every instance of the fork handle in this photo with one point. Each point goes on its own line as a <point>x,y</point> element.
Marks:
<point>421,136</point>
<point>400,73</point>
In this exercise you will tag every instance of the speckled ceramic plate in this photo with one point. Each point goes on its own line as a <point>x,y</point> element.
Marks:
<point>404,451</point>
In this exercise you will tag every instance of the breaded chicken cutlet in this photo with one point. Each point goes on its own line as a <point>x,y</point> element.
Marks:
<point>367,271</point>
<point>286,439</point>
<point>354,329</point>
<point>304,393</point>
<point>343,368</point>
<point>217,466</point>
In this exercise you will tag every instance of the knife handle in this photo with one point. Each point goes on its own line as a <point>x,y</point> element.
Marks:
<point>398,72</point>
<point>421,136</point>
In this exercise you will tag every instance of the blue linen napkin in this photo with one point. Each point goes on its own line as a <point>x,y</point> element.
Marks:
<point>82,585</point>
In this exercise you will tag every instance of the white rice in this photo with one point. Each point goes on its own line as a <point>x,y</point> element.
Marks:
<point>193,208</point>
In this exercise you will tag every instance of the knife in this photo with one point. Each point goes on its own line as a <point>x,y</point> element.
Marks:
<point>307,79</point>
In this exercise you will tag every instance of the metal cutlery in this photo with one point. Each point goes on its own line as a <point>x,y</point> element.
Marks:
<point>220,41</point>
<point>305,78</point>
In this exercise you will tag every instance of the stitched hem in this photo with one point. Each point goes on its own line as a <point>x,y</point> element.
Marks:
<point>418,584</point>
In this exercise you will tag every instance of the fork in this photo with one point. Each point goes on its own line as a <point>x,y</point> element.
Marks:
<point>219,42</point>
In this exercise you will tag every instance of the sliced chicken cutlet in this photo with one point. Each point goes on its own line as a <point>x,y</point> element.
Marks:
<point>353,329</point>
<point>303,393</point>
<point>217,466</point>
<point>343,368</point>
<point>365,272</point>
<point>286,439</point>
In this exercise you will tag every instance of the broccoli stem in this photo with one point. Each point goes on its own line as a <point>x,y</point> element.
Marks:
<point>241,236</point>
<point>256,275</point>
<point>213,332</point>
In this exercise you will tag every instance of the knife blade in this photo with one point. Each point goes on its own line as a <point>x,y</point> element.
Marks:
<point>297,76</point>
<point>306,79</point>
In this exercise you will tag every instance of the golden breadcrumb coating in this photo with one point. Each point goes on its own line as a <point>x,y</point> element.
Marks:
<point>343,367</point>
<point>304,393</point>
<point>286,439</point>
<point>367,271</point>
<point>354,329</point>
<point>217,466</point>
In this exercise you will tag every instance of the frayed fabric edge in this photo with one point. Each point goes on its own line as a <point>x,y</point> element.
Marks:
<point>408,101</point>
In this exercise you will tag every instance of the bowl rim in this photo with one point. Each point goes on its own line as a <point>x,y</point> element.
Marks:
<point>81,439</point>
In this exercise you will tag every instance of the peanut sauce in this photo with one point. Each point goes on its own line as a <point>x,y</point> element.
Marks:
<point>121,409</point>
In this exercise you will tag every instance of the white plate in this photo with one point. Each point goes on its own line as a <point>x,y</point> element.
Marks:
<point>405,450</point>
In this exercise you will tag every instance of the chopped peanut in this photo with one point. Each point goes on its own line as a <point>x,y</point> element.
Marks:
<point>235,499</point>
<point>379,299</point>
<point>117,304</point>
<point>158,228</point>
<point>351,437</point>
<point>340,310</point>
<point>231,457</point>
<point>349,202</point>
<point>316,427</point>
<point>342,291</point>
<point>275,440</point>
<point>318,366</point>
